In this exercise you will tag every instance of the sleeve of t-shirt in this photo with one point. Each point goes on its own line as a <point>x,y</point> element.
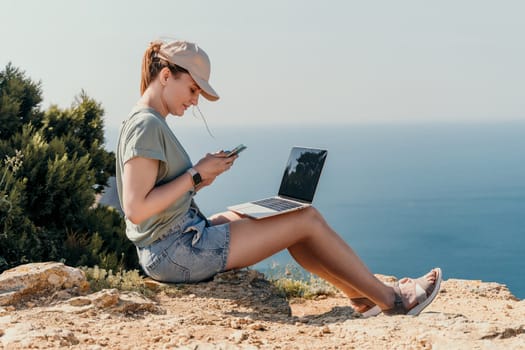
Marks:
<point>144,138</point>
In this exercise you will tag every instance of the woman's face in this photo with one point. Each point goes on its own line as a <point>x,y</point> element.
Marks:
<point>180,93</point>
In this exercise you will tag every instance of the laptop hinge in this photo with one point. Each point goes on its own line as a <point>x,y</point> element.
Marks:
<point>295,199</point>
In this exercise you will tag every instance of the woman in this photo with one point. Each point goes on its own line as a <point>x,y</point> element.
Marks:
<point>156,182</point>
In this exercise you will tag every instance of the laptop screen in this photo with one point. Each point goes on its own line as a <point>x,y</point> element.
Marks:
<point>302,173</point>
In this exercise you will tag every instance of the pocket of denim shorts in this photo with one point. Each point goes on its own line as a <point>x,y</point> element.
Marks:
<point>177,273</point>
<point>163,268</point>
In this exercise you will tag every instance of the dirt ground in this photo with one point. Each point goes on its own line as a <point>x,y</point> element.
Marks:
<point>242,311</point>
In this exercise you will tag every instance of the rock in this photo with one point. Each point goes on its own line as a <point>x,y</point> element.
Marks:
<point>235,324</point>
<point>33,280</point>
<point>506,333</point>
<point>152,285</point>
<point>105,298</point>
<point>81,301</point>
<point>326,330</point>
<point>257,326</point>
<point>238,336</point>
<point>110,300</point>
<point>132,302</point>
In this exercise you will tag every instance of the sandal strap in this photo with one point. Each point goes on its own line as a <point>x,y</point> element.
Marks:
<point>421,294</point>
<point>398,301</point>
<point>399,307</point>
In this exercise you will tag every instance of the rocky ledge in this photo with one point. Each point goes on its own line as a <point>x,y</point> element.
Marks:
<point>49,305</point>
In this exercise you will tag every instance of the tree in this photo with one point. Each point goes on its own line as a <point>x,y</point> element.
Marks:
<point>54,165</point>
<point>19,101</point>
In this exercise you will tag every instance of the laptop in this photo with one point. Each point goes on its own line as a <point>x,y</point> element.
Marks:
<point>297,189</point>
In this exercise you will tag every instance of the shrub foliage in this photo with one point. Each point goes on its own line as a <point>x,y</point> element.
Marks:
<point>52,166</point>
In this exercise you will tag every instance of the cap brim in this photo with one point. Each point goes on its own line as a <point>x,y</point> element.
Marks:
<point>206,90</point>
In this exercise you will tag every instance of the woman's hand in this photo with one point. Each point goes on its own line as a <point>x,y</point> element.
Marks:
<point>212,165</point>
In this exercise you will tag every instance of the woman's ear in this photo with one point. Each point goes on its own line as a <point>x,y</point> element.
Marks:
<point>164,75</point>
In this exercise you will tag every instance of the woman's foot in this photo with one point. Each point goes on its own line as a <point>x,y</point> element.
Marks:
<point>413,295</point>
<point>365,306</point>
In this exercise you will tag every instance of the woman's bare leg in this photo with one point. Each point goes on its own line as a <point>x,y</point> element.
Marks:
<point>314,244</point>
<point>303,257</point>
<point>311,264</point>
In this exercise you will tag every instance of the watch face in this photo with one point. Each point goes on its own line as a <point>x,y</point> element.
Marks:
<point>197,179</point>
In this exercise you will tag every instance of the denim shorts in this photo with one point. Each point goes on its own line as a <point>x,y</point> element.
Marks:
<point>189,252</point>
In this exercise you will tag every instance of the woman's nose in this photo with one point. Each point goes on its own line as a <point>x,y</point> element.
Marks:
<point>195,100</point>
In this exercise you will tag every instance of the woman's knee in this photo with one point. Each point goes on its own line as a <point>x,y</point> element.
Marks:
<point>314,219</point>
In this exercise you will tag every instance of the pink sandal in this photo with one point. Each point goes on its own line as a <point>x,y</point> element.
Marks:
<point>423,293</point>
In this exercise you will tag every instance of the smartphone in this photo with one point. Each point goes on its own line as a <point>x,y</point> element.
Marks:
<point>236,150</point>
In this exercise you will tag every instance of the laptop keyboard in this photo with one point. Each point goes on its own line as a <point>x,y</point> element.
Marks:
<point>277,204</point>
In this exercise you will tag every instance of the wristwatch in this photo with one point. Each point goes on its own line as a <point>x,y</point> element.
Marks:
<point>197,179</point>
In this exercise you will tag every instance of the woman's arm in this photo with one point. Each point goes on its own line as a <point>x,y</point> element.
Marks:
<point>141,199</point>
<point>225,217</point>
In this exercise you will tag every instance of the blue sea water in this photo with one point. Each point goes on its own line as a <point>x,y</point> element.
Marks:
<point>406,197</point>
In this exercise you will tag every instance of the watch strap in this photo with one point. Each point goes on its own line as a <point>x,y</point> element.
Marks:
<point>195,176</point>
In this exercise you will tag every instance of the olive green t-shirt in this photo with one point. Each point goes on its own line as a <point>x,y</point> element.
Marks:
<point>146,134</point>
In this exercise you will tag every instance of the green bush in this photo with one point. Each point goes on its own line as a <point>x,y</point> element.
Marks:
<point>53,165</point>
<point>294,282</point>
<point>100,278</point>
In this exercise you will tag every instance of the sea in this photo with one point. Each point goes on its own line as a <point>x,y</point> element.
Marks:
<point>406,196</point>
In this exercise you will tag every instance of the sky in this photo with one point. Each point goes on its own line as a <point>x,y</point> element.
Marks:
<point>283,62</point>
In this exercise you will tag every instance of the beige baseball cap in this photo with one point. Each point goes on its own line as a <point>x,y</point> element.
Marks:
<point>192,58</point>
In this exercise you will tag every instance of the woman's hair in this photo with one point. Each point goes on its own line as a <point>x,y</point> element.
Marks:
<point>152,64</point>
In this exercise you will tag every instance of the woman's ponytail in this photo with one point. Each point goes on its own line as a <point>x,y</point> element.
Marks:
<point>151,65</point>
